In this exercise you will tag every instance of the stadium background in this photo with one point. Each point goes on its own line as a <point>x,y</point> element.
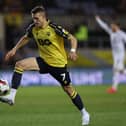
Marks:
<point>94,64</point>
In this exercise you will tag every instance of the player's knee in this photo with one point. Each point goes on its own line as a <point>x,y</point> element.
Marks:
<point>66,89</point>
<point>69,90</point>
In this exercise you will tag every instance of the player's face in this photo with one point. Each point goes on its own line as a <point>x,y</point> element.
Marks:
<point>114,27</point>
<point>38,19</point>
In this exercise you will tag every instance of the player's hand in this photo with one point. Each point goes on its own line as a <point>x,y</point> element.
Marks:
<point>10,54</point>
<point>72,56</point>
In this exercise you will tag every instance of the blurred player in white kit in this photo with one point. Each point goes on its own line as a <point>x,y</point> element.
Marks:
<point>118,40</point>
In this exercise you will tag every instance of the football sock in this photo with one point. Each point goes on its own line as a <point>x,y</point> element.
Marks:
<point>13,93</point>
<point>115,80</point>
<point>83,111</point>
<point>17,75</point>
<point>76,99</point>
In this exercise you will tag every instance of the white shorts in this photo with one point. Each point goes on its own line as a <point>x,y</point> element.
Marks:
<point>119,63</point>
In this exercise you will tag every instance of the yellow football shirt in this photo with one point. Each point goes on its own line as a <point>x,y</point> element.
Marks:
<point>50,41</point>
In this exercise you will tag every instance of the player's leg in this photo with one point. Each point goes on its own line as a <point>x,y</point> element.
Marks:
<point>122,65</point>
<point>118,68</point>
<point>64,78</point>
<point>20,67</point>
<point>115,84</point>
<point>77,101</point>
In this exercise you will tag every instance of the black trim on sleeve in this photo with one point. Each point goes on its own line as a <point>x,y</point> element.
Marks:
<point>59,30</point>
<point>29,30</point>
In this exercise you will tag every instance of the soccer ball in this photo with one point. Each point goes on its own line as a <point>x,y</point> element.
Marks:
<point>4,87</point>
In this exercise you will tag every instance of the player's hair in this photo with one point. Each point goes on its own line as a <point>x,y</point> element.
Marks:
<point>116,23</point>
<point>37,9</point>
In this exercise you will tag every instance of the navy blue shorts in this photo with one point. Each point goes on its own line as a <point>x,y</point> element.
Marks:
<point>59,73</point>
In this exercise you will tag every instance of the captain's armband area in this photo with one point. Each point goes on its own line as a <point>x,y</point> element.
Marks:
<point>59,30</point>
<point>64,32</point>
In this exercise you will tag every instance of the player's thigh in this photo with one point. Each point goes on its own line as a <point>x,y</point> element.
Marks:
<point>28,64</point>
<point>62,75</point>
<point>119,63</point>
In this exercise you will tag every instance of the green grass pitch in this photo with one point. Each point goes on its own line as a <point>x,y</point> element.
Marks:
<point>50,106</point>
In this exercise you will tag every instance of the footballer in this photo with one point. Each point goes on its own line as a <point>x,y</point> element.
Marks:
<point>118,40</point>
<point>52,58</point>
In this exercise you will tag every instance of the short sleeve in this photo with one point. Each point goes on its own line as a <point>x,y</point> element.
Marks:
<point>59,30</point>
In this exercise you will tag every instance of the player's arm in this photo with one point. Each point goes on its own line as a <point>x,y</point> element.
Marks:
<point>103,25</point>
<point>73,41</point>
<point>23,41</point>
<point>66,35</point>
<point>73,53</point>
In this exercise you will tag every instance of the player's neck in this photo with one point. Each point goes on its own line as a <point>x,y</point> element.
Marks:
<point>45,23</point>
<point>117,30</point>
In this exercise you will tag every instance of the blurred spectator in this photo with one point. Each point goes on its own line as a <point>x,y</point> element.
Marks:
<point>81,34</point>
<point>13,21</point>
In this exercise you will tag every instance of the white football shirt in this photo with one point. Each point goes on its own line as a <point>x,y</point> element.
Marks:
<point>117,39</point>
